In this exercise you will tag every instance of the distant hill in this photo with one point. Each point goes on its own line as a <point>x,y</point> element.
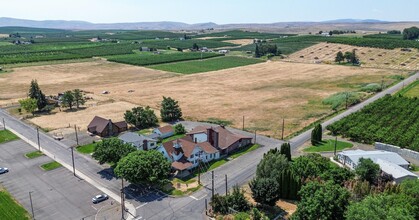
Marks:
<point>290,27</point>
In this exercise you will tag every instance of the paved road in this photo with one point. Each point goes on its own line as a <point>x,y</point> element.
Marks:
<point>56,194</point>
<point>154,205</point>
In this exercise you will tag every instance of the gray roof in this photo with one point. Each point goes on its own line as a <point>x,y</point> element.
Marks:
<point>394,170</point>
<point>153,136</point>
<point>131,137</point>
<point>355,155</point>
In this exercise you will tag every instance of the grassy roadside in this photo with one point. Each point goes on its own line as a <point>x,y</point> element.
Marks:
<point>50,166</point>
<point>412,90</point>
<point>10,208</point>
<point>328,146</point>
<point>87,149</point>
<point>6,136</point>
<point>34,154</point>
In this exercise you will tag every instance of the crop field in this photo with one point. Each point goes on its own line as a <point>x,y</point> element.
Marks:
<point>149,58</point>
<point>185,44</point>
<point>264,93</point>
<point>237,34</point>
<point>369,57</point>
<point>411,90</point>
<point>213,64</point>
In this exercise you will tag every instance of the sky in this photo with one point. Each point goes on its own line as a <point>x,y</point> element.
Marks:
<point>218,11</point>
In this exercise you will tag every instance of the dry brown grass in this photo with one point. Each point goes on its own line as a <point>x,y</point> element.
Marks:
<point>240,41</point>
<point>264,93</point>
<point>369,57</point>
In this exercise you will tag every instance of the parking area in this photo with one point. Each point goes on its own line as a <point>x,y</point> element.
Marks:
<point>56,194</point>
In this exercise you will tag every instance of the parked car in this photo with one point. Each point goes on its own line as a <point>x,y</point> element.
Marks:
<point>100,198</point>
<point>4,170</point>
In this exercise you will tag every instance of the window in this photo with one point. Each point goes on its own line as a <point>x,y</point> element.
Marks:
<point>191,156</point>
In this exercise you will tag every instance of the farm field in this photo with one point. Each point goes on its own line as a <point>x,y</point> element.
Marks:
<point>264,93</point>
<point>148,58</point>
<point>411,91</point>
<point>369,57</point>
<point>207,65</point>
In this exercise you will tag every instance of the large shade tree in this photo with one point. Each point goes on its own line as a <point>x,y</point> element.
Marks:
<point>36,93</point>
<point>111,150</point>
<point>141,117</point>
<point>149,167</point>
<point>170,110</point>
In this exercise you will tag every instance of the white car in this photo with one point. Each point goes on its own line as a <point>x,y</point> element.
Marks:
<point>100,198</point>
<point>4,170</point>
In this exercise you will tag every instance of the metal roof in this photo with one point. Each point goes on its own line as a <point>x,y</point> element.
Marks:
<point>131,137</point>
<point>355,155</point>
<point>393,169</point>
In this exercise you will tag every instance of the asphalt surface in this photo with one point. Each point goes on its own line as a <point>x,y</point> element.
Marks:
<point>56,194</point>
<point>155,205</point>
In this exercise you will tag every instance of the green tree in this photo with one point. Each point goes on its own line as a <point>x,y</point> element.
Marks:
<point>367,170</point>
<point>411,33</point>
<point>339,57</point>
<point>195,46</point>
<point>141,117</point>
<point>316,135</point>
<point>29,105</point>
<point>170,110</point>
<point>353,58</point>
<point>179,129</point>
<point>68,99</point>
<point>265,190</point>
<point>149,167</point>
<point>322,201</point>
<point>286,150</point>
<point>348,56</point>
<point>337,174</point>
<point>78,97</point>
<point>383,207</point>
<point>111,150</point>
<point>309,166</point>
<point>36,93</point>
<point>235,200</point>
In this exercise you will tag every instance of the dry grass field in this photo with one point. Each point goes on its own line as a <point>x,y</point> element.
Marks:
<point>264,93</point>
<point>240,41</point>
<point>369,57</point>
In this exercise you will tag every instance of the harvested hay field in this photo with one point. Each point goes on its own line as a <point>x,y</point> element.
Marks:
<point>264,93</point>
<point>369,57</point>
<point>240,41</point>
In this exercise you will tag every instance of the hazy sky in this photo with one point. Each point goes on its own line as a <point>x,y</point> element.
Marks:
<point>218,11</point>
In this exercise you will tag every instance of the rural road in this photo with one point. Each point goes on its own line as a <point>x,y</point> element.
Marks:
<point>238,171</point>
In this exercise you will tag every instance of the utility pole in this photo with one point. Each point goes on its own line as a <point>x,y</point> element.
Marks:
<point>336,141</point>
<point>122,200</point>
<point>37,135</point>
<point>199,170</point>
<point>226,186</point>
<point>4,124</point>
<point>72,159</point>
<point>212,188</point>
<point>347,97</point>
<point>206,207</point>
<point>255,136</point>
<point>283,128</point>
<point>77,137</point>
<point>382,83</point>
<point>30,198</point>
<point>243,123</point>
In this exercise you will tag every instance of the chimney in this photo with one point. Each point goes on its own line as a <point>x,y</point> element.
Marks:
<point>195,140</point>
<point>145,146</point>
<point>110,127</point>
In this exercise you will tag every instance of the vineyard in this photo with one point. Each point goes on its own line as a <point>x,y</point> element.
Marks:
<point>207,65</point>
<point>392,119</point>
<point>145,59</point>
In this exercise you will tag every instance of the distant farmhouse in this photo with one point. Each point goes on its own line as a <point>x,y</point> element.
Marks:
<point>390,163</point>
<point>203,144</point>
<point>141,142</point>
<point>105,127</point>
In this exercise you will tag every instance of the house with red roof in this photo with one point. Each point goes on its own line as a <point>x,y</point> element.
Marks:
<point>202,145</point>
<point>164,132</point>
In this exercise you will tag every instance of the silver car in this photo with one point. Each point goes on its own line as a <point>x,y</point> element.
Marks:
<point>4,170</point>
<point>100,198</point>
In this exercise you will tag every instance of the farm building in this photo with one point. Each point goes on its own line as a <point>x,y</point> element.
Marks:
<point>105,127</point>
<point>219,137</point>
<point>139,141</point>
<point>164,132</point>
<point>390,163</point>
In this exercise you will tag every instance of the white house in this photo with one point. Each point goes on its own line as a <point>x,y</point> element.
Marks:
<point>186,154</point>
<point>389,162</point>
<point>165,131</point>
<point>139,141</point>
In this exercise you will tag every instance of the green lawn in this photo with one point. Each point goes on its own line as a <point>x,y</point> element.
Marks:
<point>244,150</point>
<point>10,209</point>
<point>199,66</point>
<point>87,149</point>
<point>50,166</point>
<point>34,154</point>
<point>328,145</point>
<point>412,90</point>
<point>6,136</point>
<point>173,138</point>
<point>146,131</point>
